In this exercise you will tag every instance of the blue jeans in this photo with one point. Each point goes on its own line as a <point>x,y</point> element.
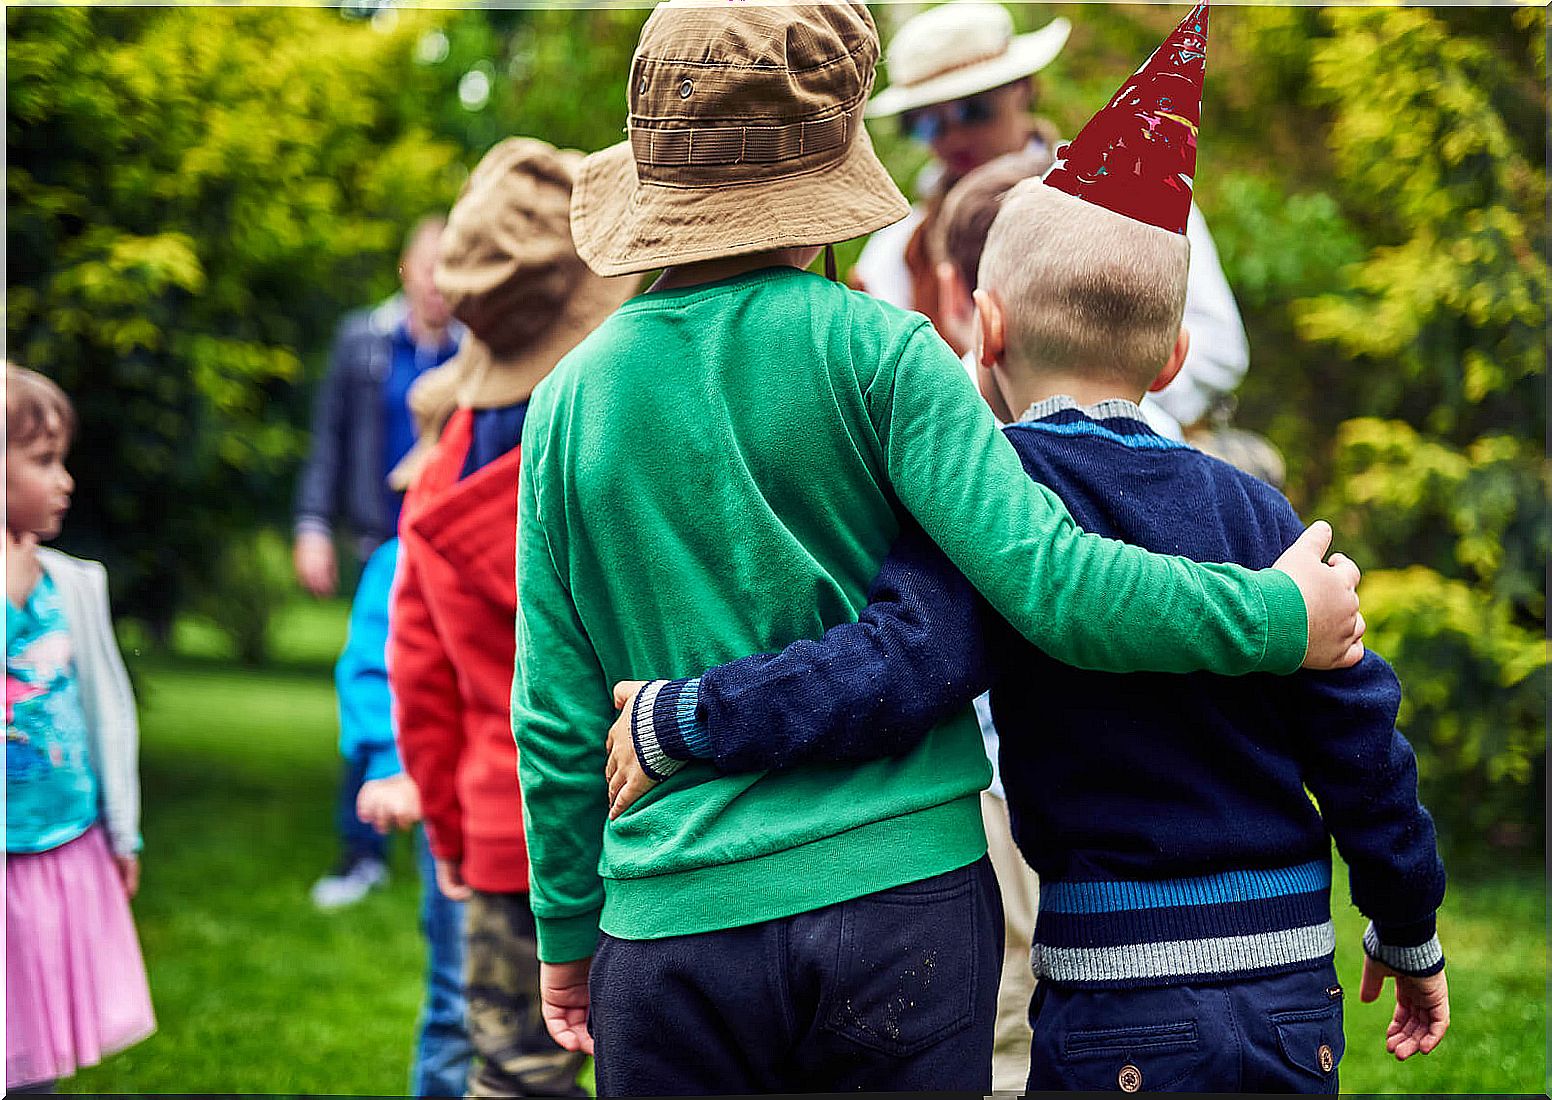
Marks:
<point>358,838</point>
<point>894,991</point>
<point>1277,1034</point>
<point>442,1046</point>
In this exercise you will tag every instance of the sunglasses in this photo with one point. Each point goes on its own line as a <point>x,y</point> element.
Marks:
<point>926,123</point>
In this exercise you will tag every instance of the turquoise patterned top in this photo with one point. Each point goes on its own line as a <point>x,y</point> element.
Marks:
<point>50,791</point>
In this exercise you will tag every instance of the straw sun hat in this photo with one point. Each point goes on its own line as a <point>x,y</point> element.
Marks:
<point>745,135</point>
<point>959,49</point>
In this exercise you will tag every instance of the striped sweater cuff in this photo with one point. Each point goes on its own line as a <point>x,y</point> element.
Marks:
<point>1414,959</point>
<point>665,728</point>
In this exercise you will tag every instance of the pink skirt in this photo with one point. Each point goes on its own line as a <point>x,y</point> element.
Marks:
<point>75,982</point>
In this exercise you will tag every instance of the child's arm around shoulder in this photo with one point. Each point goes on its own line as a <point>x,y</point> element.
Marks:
<point>1086,600</point>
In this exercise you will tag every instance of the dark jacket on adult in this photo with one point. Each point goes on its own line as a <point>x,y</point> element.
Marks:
<point>344,473</point>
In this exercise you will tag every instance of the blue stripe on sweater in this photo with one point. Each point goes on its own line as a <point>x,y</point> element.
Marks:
<point>1230,886</point>
<point>1141,440</point>
<point>1131,926</point>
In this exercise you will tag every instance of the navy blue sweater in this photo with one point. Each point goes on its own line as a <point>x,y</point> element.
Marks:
<point>1166,815</point>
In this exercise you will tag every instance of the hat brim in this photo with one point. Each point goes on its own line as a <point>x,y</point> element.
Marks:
<point>491,381</point>
<point>624,226</point>
<point>1026,55</point>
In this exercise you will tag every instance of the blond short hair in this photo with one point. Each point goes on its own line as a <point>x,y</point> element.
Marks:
<point>1084,289</point>
<point>34,406</point>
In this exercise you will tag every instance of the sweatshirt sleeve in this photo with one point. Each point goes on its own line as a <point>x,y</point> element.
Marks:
<point>1085,600</point>
<point>428,710</point>
<point>865,690</point>
<point>561,708</point>
<point>361,674</point>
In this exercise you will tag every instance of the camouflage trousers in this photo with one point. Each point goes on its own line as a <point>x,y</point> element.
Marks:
<point>517,1057</point>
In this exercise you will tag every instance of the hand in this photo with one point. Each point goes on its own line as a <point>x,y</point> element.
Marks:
<point>627,780</point>
<point>1330,591</point>
<point>564,997</point>
<point>129,874</point>
<point>1422,1008</point>
<point>449,876</point>
<point>388,804</point>
<point>313,557</point>
<point>22,571</point>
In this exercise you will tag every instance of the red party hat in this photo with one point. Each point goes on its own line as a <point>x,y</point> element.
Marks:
<point>1138,154</point>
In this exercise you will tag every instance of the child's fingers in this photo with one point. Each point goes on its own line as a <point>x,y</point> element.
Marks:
<point>625,690</point>
<point>1372,982</point>
<point>1346,567</point>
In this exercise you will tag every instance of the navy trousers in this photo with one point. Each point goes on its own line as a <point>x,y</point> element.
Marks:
<point>895,991</point>
<point>1276,1034</point>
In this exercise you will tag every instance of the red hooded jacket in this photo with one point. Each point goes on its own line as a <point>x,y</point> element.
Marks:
<point>450,659</point>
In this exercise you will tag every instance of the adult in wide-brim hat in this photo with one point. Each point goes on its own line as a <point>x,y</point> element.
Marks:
<point>961,49</point>
<point>963,82</point>
<point>744,135</point>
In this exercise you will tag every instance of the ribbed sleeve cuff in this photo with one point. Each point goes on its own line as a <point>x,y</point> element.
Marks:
<point>315,525</point>
<point>567,939</point>
<point>1287,623</point>
<point>665,728</point>
<point>1401,948</point>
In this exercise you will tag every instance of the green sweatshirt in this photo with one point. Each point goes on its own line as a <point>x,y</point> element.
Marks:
<point>720,470</point>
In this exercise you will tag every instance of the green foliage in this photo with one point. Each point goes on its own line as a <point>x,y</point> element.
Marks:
<point>252,578</point>
<point>195,196</point>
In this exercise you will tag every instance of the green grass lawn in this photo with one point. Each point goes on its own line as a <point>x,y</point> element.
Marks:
<point>256,991</point>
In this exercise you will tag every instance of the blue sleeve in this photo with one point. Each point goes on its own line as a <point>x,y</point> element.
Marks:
<point>1363,774</point>
<point>361,674</point>
<point>869,689</point>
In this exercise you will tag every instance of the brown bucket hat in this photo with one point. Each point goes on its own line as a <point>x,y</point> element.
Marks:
<point>510,272</point>
<point>745,135</point>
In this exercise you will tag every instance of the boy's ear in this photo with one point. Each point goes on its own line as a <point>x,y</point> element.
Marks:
<point>1177,359</point>
<point>990,329</point>
<point>952,293</point>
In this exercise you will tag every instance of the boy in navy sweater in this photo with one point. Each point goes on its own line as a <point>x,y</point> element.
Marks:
<point>1184,938</point>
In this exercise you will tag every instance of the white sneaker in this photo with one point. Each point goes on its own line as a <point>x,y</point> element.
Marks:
<point>348,885</point>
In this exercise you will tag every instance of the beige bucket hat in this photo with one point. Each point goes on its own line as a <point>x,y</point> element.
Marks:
<point>510,272</point>
<point>959,49</point>
<point>745,135</point>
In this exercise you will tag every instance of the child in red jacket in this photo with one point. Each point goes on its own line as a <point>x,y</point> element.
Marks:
<point>512,276</point>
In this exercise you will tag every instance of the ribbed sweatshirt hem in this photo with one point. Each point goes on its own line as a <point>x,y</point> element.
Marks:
<point>877,856</point>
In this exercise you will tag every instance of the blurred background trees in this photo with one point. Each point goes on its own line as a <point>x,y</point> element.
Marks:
<point>197,194</point>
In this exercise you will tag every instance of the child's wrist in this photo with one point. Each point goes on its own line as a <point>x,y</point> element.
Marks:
<point>1410,949</point>
<point>665,728</point>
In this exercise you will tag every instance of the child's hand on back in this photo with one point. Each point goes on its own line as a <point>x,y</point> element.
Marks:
<point>1330,591</point>
<point>1422,1008</point>
<point>627,780</point>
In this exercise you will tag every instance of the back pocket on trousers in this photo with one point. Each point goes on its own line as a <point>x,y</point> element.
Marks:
<point>1145,1058</point>
<point>906,977</point>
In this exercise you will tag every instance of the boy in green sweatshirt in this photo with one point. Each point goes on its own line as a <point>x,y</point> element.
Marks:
<point>719,469</point>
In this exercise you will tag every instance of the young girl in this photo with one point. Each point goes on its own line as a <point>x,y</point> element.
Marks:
<point>75,983</point>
